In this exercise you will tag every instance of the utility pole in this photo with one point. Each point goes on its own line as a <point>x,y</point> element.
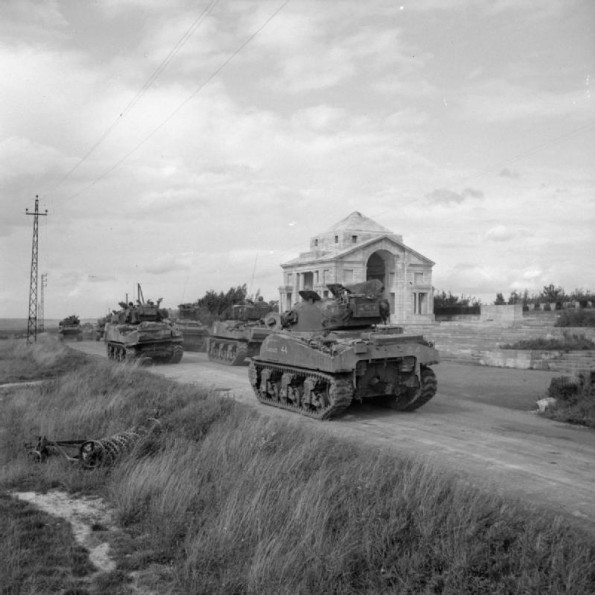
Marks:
<point>40,313</point>
<point>32,320</point>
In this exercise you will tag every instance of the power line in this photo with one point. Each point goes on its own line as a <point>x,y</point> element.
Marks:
<point>139,94</point>
<point>552,141</point>
<point>181,105</point>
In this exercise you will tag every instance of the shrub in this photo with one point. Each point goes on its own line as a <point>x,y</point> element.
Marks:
<point>567,343</point>
<point>575,398</point>
<point>584,318</point>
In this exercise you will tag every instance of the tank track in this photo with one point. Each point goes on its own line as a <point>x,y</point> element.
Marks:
<point>130,355</point>
<point>339,389</point>
<point>227,352</point>
<point>426,391</point>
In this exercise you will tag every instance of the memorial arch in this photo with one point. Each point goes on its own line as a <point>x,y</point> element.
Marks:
<point>358,249</point>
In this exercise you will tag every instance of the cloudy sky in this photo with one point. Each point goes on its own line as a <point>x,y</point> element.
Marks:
<point>190,145</point>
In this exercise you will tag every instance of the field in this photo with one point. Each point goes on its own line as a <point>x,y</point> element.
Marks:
<point>224,500</point>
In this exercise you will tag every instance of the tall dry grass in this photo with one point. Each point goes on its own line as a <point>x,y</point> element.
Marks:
<point>237,502</point>
<point>46,358</point>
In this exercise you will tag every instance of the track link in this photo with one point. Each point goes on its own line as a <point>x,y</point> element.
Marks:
<point>313,394</point>
<point>227,352</point>
<point>426,391</point>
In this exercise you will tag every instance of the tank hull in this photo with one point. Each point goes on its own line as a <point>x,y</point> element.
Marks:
<point>319,375</point>
<point>232,344</point>
<point>158,341</point>
<point>71,333</point>
<point>194,336</point>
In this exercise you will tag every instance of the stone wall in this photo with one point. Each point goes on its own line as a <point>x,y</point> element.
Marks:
<point>502,315</point>
<point>538,359</point>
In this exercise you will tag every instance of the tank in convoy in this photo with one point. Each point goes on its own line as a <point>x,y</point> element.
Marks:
<point>194,332</point>
<point>142,332</point>
<point>325,353</point>
<point>99,328</point>
<point>69,329</point>
<point>234,340</point>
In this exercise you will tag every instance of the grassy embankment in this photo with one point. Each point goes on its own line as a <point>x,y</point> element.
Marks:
<point>568,342</point>
<point>577,318</point>
<point>235,502</point>
<point>575,398</point>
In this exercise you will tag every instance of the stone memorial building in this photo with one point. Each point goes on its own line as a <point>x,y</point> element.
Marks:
<point>358,249</point>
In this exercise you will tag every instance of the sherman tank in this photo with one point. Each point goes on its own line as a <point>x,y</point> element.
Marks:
<point>194,332</point>
<point>232,341</point>
<point>143,333</point>
<point>325,353</point>
<point>70,328</point>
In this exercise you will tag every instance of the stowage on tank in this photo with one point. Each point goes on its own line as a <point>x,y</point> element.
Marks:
<point>327,352</point>
<point>142,332</point>
<point>232,341</point>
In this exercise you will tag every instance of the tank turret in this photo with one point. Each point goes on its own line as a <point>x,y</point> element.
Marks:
<point>355,306</point>
<point>325,353</point>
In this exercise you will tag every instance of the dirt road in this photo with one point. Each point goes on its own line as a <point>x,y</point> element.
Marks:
<point>480,424</point>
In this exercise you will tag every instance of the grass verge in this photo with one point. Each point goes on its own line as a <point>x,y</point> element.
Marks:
<point>569,342</point>
<point>234,502</point>
<point>47,358</point>
<point>576,318</point>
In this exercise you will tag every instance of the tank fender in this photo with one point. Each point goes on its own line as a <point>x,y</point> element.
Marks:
<point>360,347</point>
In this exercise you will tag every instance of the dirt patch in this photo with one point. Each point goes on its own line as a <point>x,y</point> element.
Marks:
<point>83,514</point>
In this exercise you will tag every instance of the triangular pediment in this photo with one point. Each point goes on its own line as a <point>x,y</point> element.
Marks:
<point>386,241</point>
<point>357,222</point>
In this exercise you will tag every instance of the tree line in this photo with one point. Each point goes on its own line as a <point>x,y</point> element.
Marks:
<point>550,294</point>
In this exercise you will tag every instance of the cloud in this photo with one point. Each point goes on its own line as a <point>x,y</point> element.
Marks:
<point>499,100</point>
<point>29,19</point>
<point>168,263</point>
<point>509,173</point>
<point>500,233</point>
<point>23,157</point>
<point>445,196</point>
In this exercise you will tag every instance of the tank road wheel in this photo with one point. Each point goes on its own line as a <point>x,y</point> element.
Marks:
<point>239,354</point>
<point>210,349</point>
<point>421,396</point>
<point>229,353</point>
<point>130,356</point>
<point>121,354</point>
<point>316,394</point>
<point>176,356</point>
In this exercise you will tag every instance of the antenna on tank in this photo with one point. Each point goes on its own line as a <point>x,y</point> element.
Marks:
<point>253,272</point>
